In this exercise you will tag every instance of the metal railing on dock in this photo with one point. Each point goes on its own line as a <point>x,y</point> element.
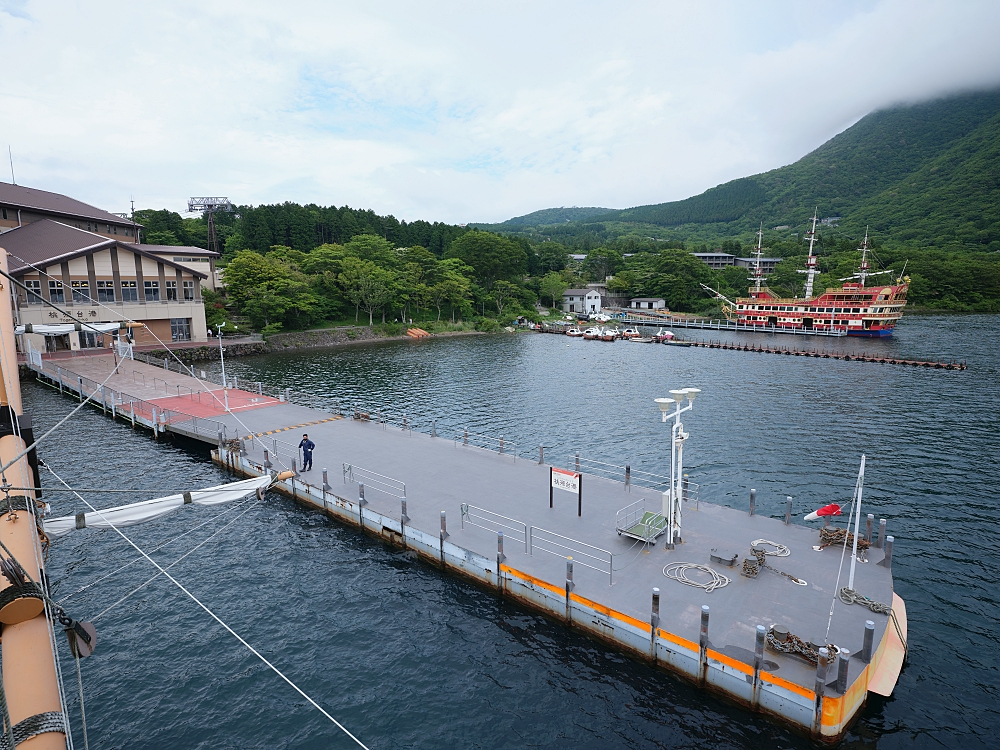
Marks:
<point>369,478</point>
<point>594,558</point>
<point>625,474</point>
<point>499,444</point>
<point>486,519</point>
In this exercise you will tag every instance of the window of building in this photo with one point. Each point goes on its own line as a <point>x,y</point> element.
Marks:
<point>5,214</point>
<point>180,329</point>
<point>105,291</point>
<point>91,340</point>
<point>56,293</point>
<point>81,291</point>
<point>152,291</point>
<point>189,290</point>
<point>171,291</point>
<point>34,292</point>
<point>130,292</point>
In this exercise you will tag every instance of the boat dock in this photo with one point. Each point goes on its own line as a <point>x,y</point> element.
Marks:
<point>740,346</point>
<point>475,506</point>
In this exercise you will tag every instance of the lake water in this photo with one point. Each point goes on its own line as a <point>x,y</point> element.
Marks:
<point>408,658</point>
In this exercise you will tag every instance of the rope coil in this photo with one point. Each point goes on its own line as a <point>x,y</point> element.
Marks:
<point>780,550</point>
<point>678,572</point>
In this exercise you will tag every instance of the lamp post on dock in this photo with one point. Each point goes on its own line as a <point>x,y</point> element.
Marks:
<point>674,496</point>
<point>222,360</point>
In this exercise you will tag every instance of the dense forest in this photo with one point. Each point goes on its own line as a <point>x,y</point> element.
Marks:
<point>923,180</point>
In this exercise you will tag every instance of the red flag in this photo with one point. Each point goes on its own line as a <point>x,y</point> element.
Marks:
<point>827,510</point>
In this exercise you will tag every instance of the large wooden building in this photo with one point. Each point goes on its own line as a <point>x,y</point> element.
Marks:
<point>101,279</point>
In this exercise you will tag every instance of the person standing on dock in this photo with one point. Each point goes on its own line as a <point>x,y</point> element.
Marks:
<point>307,446</point>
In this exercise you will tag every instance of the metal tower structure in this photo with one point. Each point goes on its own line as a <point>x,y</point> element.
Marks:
<point>210,206</point>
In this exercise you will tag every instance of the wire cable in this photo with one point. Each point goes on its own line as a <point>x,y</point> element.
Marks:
<point>119,569</point>
<point>218,619</point>
<point>189,552</point>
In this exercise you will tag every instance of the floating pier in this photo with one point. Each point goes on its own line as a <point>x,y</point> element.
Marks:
<point>476,506</point>
<point>845,356</point>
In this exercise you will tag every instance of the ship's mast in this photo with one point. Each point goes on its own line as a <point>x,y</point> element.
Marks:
<point>757,277</point>
<point>863,269</point>
<point>29,668</point>
<point>810,270</point>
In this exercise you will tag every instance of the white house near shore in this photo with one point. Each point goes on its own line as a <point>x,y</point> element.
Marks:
<point>648,303</point>
<point>585,301</point>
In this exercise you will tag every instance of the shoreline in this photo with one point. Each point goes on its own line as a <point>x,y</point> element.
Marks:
<point>328,338</point>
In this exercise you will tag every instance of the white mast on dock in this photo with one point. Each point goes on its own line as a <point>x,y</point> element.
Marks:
<point>673,498</point>
<point>810,269</point>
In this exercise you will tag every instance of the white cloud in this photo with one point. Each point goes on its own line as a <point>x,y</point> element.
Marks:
<point>451,112</point>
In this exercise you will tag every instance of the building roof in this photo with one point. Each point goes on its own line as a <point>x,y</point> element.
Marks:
<point>648,299</point>
<point>181,249</point>
<point>19,196</point>
<point>719,254</point>
<point>580,292</point>
<point>46,242</point>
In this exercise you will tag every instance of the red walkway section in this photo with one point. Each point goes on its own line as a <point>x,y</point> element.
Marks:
<point>213,404</point>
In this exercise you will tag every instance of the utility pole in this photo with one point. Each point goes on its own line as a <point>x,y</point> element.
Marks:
<point>29,669</point>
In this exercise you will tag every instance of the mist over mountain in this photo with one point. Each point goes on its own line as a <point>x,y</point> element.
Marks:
<point>925,174</point>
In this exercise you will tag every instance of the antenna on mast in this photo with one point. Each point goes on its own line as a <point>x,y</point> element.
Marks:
<point>810,269</point>
<point>10,156</point>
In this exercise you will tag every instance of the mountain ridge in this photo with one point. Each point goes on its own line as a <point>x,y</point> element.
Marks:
<point>925,173</point>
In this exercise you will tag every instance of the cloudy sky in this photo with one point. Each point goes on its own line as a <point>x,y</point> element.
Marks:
<point>456,111</point>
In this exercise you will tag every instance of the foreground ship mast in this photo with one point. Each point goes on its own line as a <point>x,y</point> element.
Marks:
<point>34,716</point>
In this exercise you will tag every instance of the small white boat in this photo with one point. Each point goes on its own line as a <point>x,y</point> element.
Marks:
<point>574,332</point>
<point>631,333</point>
<point>592,334</point>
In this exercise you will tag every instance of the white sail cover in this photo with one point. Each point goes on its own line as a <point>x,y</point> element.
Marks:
<point>130,515</point>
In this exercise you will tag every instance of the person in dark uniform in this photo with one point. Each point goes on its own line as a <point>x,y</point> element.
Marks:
<point>307,446</point>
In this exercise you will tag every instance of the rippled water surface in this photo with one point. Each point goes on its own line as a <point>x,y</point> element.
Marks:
<point>407,658</point>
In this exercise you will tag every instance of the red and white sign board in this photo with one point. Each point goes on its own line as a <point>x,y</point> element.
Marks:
<point>565,480</point>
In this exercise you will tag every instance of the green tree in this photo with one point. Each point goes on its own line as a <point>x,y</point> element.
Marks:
<point>503,293</point>
<point>552,286</point>
<point>491,256</point>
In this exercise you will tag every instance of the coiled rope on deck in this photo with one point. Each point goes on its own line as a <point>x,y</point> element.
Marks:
<point>678,572</point>
<point>780,550</point>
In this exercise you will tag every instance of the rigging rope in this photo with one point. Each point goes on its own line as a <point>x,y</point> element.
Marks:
<point>214,518</point>
<point>218,619</point>
<point>678,572</point>
<point>850,596</point>
<point>83,713</point>
<point>189,552</point>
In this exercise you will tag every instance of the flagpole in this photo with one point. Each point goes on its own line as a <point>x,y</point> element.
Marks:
<point>857,522</point>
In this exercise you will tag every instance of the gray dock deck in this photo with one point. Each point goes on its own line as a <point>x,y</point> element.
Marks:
<point>441,475</point>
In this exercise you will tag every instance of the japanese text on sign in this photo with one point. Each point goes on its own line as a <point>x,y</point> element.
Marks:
<point>565,480</point>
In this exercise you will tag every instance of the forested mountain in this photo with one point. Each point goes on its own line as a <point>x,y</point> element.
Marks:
<point>546,216</point>
<point>295,226</point>
<point>926,174</point>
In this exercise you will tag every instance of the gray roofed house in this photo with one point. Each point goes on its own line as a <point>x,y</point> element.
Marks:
<point>21,205</point>
<point>581,301</point>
